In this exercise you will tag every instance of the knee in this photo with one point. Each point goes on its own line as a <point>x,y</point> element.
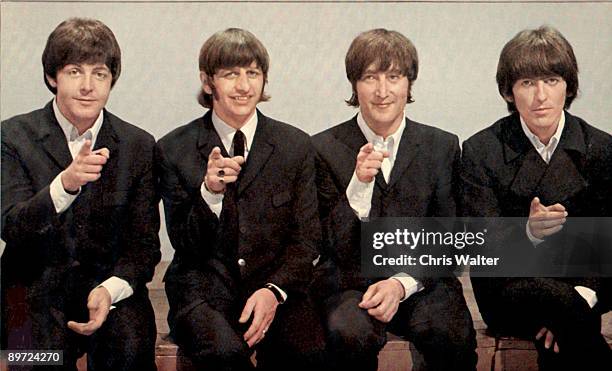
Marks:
<point>352,335</point>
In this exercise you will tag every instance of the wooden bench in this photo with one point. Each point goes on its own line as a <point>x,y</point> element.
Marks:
<point>398,355</point>
<point>499,354</point>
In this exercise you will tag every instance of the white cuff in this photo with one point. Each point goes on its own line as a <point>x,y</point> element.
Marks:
<point>359,195</point>
<point>283,294</point>
<point>213,200</point>
<point>411,286</point>
<point>587,294</point>
<point>61,199</point>
<point>118,288</point>
<point>534,240</point>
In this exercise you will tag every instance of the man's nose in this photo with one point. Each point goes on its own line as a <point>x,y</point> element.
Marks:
<point>540,91</point>
<point>242,84</point>
<point>381,87</point>
<point>86,83</point>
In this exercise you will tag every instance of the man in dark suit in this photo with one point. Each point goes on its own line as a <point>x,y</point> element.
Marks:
<point>545,164</point>
<point>382,164</point>
<point>241,211</point>
<point>79,214</point>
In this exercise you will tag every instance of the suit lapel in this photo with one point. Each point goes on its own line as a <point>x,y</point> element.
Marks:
<point>259,153</point>
<point>107,138</point>
<point>208,138</point>
<point>407,151</point>
<point>563,178</point>
<point>519,151</point>
<point>553,182</point>
<point>53,140</point>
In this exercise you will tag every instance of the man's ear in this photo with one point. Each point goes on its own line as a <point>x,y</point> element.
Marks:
<point>51,80</point>
<point>206,83</point>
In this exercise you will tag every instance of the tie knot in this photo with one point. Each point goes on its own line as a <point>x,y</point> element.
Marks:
<point>238,143</point>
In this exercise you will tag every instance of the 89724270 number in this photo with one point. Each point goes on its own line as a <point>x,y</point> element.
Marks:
<point>33,357</point>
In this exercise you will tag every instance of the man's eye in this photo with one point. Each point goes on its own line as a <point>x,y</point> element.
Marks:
<point>73,72</point>
<point>552,81</point>
<point>394,77</point>
<point>101,75</point>
<point>527,83</point>
<point>368,77</point>
<point>253,73</point>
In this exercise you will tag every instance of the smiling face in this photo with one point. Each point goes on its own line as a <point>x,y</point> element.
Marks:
<point>540,102</point>
<point>236,92</point>
<point>382,98</point>
<point>82,92</point>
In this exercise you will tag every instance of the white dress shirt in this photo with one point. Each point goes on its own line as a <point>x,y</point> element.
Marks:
<point>118,288</point>
<point>359,194</point>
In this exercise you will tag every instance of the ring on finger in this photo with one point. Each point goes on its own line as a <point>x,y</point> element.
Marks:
<point>220,173</point>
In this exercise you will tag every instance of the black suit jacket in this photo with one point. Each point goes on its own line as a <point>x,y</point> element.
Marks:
<point>277,224</point>
<point>502,172</point>
<point>421,184</point>
<point>111,229</point>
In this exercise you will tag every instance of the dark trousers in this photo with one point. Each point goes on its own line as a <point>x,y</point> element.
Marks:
<point>212,337</point>
<point>126,340</point>
<point>524,306</point>
<point>436,320</point>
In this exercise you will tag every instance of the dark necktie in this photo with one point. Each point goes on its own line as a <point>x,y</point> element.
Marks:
<point>230,214</point>
<point>238,143</point>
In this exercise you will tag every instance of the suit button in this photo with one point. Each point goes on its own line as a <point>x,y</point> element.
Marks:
<point>241,262</point>
<point>243,230</point>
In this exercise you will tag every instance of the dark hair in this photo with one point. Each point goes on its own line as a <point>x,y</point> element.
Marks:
<point>230,48</point>
<point>81,40</point>
<point>537,53</point>
<point>384,49</point>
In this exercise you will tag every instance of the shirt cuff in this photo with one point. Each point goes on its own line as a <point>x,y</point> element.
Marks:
<point>411,286</point>
<point>61,199</point>
<point>534,240</point>
<point>118,288</point>
<point>587,294</point>
<point>213,200</point>
<point>283,294</point>
<point>359,195</point>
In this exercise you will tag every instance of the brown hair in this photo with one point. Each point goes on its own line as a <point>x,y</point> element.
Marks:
<point>537,53</point>
<point>384,49</point>
<point>230,48</point>
<point>81,40</point>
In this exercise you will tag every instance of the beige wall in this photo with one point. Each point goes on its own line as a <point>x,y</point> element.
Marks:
<point>458,45</point>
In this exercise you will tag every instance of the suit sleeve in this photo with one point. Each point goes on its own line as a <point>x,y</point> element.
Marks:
<point>189,220</point>
<point>296,271</point>
<point>26,214</point>
<point>140,251</point>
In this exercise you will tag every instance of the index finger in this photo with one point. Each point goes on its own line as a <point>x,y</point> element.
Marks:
<point>366,300</point>
<point>85,148</point>
<point>215,154</point>
<point>255,326</point>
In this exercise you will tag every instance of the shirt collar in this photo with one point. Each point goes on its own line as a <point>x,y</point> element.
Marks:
<point>391,143</point>
<point>70,131</point>
<point>226,132</point>
<point>554,140</point>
